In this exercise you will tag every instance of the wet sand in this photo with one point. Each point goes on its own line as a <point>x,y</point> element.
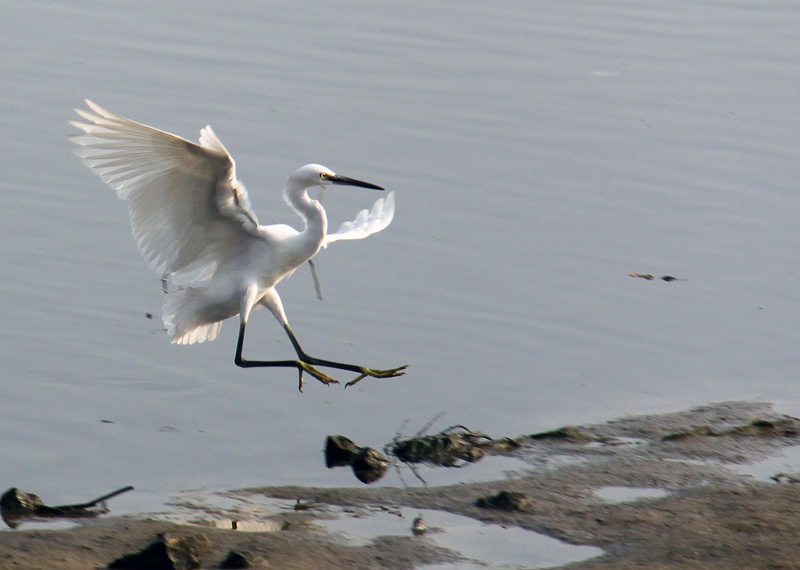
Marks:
<point>712,517</point>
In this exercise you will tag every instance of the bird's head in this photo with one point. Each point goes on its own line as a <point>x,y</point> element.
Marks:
<point>317,175</point>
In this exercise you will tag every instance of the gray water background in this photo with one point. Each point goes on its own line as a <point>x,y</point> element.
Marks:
<point>539,151</point>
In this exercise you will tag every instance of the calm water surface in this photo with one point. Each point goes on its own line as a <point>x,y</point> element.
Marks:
<point>539,153</point>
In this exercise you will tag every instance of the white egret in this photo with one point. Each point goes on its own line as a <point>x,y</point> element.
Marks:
<point>192,222</point>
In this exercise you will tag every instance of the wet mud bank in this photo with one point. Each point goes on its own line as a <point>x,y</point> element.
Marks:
<point>658,491</point>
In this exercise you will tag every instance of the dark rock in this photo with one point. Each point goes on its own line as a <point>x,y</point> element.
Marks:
<point>340,451</point>
<point>18,501</point>
<point>370,465</point>
<point>235,560</point>
<point>184,553</point>
<point>506,501</point>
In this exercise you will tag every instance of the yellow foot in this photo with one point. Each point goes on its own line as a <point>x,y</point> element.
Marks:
<point>315,372</point>
<point>375,373</point>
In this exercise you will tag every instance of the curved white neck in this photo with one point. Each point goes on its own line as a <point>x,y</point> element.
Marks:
<point>312,213</point>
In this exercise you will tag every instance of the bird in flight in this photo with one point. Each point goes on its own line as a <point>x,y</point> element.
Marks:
<point>192,222</point>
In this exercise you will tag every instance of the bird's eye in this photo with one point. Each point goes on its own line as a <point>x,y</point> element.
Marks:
<point>323,175</point>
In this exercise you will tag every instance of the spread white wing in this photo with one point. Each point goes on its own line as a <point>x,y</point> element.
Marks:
<point>186,206</point>
<point>367,222</point>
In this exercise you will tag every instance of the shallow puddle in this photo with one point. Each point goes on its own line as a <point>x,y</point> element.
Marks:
<point>620,494</point>
<point>46,524</point>
<point>484,546</point>
<point>785,462</point>
<point>488,546</point>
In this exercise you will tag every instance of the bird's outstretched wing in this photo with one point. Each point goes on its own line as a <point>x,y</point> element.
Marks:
<point>367,222</point>
<point>186,205</point>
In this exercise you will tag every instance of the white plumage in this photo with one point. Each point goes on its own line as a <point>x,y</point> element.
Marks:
<point>192,222</point>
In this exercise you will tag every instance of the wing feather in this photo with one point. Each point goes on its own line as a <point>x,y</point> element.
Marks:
<point>366,222</point>
<point>185,203</point>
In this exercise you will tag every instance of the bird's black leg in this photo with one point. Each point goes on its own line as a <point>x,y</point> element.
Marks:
<point>307,363</point>
<point>361,370</point>
<point>299,364</point>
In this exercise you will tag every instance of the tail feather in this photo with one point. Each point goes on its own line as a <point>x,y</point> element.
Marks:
<point>184,326</point>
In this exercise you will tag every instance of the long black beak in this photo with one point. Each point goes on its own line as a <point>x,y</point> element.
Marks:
<point>345,181</point>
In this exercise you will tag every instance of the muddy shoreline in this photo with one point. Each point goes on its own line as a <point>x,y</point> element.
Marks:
<point>710,517</point>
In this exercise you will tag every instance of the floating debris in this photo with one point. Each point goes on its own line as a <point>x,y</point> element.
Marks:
<point>456,446</point>
<point>453,447</point>
<point>184,553</point>
<point>17,505</point>
<point>649,277</point>
<point>506,501</point>
<point>444,449</point>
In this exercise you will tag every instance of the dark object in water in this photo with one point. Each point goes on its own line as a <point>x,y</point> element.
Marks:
<point>340,451</point>
<point>649,277</point>
<point>447,448</point>
<point>16,504</point>
<point>455,446</point>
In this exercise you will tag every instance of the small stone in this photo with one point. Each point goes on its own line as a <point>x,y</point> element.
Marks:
<point>418,526</point>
